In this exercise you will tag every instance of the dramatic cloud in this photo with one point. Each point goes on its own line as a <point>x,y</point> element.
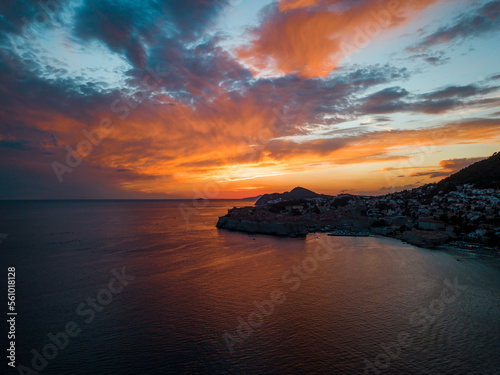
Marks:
<point>397,99</point>
<point>129,27</point>
<point>16,14</point>
<point>385,101</point>
<point>311,38</point>
<point>370,146</point>
<point>483,20</point>
<point>155,102</point>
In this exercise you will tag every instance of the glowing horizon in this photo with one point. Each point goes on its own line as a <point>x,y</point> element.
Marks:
<point>228,99</point>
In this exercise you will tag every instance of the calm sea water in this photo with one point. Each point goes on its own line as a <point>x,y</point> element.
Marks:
<point>375,305</point>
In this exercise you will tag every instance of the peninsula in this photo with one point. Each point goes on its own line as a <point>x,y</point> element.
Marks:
<point>462,210</point>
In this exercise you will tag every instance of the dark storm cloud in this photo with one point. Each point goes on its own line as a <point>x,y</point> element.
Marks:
<point>115,24</point>
<point>383,119</point>
<point>397,99</point>
<point>17,145</point>
<point>436,60</point>
<point>434,107</point>
<point>474,23</point>
<point>16,14</point>
<point>129,27</point>
<point>27,98</point>
<point>191,17</point>
<point>310,99</point>
<point>199,73</point>
<point>459,92</point>
<point>388,100</point>
<point>451,97</point>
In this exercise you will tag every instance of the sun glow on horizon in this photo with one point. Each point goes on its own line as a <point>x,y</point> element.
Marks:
<point>246,97</point>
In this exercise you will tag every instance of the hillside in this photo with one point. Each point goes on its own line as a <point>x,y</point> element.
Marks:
<point>297,193</point>
<point>484,174</point>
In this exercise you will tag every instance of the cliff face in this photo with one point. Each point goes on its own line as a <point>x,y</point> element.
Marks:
<point>278,229</point>
<point>426,239</point>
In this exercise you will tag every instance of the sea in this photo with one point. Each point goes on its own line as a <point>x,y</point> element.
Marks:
<point>153,287</point>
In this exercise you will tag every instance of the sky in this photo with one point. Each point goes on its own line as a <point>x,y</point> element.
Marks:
<point>235,98</point>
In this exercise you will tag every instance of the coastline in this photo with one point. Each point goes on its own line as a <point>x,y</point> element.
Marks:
<point>458,217</point>
<point>301,229</point>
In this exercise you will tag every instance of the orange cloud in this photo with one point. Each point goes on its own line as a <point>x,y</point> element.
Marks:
<point>386,145</point>
<point>448,167</point>
<point>170,148</point>
<point>166,146</point>
<point>284,5</point>
<point>197,157</point>
<point>311,38</point>
<point>173,149</point>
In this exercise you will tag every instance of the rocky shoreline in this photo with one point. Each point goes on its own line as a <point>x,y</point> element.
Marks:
<point>288,229</point>
<point>289,219</point>
<point>422,239</point>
